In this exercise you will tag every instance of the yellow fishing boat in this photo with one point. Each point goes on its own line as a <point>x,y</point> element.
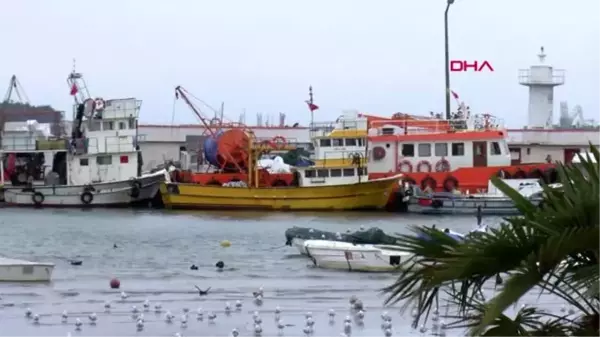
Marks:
<point>371,194</point>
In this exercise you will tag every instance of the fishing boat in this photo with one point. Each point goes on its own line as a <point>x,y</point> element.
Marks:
<point>492,202</point>
<point>248,191</point>
<point>13,270</point>
<point>99,165</point>
<point>297,236</point>
<point>351,257</point>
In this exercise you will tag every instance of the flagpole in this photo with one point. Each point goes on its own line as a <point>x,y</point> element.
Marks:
<point>312,112</point>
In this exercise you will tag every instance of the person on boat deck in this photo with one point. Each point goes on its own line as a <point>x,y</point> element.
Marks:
<point>428,190</point>
<point>456,191</point>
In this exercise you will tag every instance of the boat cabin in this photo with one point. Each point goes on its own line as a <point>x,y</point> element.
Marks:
<point>331,175</point>
<point>340,142</point>
<point>432,145</point>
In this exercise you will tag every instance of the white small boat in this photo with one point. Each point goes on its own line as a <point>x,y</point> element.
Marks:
<point>351,257</point>
<point>13,270</point>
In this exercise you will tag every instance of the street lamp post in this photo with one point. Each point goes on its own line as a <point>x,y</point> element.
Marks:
<point>447,55</point>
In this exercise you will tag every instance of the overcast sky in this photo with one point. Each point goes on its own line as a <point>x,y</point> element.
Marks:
<point>378,56</point>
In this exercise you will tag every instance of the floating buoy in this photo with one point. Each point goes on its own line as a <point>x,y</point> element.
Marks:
<point>220,265</point>
<point>225,243</point>
<point>115,283</point>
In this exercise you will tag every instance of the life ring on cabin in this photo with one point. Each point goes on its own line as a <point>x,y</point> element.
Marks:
<point>99,104</point>
<point>279,142</point>
<point>552,175</point>
<point>213,182</point>
<point>423,163</point>
<point>520,174</point>
<point>405,166</point>
<point>450,184</point>
<point>88,107</point>
<point>503,174</point>
<point>38,198</point>
<point>536,173</point>
<point>86,197</point>
<point>428,182</point>
<point>442,166</point>
<point>378,153</point>
<point>136,187</point>
<point>278,182</point>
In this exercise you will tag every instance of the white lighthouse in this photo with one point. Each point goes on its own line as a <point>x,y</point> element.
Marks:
<point>541,80</point>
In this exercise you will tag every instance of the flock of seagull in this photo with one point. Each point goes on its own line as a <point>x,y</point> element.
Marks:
<point>356,317</point>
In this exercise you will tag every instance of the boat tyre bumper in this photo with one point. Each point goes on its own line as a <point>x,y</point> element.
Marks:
<point>37,198</point>
<point>87,198</point>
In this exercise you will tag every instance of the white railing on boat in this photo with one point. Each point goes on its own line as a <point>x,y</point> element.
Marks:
<point>36,143</point>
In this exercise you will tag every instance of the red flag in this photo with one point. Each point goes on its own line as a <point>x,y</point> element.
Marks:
<point>74,89</point>
<point>312,106</point>
<point>454,94</point>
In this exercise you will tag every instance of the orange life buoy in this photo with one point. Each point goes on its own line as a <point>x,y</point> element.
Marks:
<point>450,184</point>
<point>424,163</point>
<point>442,166</point>
<point>405,166</point>
<point>279,142</point>
<point>428,182</point>
<point>378,153</point>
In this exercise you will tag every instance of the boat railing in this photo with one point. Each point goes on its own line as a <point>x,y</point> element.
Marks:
<point>126,108</point>
<point>480,122</point>
<point>325,129</point>
<point>109,144</point>
<point>340,158</point>
<point>33,143</point>
<point>277,143</point>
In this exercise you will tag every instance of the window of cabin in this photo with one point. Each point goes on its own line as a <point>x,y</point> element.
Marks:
<point>122,126</point>
<point>361,142</point>
<point>458,149</point>
<point>310,174</point>
<point>387,131</point>
<point>335,172</point>
<point>351,141</point>
<point>109,125</point>
<point>104,160</point>
<point>424,150</point>
<point>337,142</point>
<point>84,161</point>
<point>131,123</point>
<point>441,149</point>
<point>348,172</point>
<point>322,173</point>
<point>326,142</point>
<point>362,171</point>
<point>408,150</point>
<point>495,150</point>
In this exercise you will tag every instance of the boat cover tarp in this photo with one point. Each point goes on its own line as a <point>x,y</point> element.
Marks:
<point>372,236</point>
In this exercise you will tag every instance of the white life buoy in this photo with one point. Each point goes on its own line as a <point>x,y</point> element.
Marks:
<point>88,109</point>
<point>98,104</point>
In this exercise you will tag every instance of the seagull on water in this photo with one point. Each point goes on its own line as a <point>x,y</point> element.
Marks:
<point>202,292</point>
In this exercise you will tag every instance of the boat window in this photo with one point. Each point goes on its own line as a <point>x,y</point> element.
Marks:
<point>337,142</point>
<point>131,123</point>
<point>424,150</point>
<point>335,172</point>
<point>350,141</point>
<point>348,172</point>
<point>408,150</point>
<point>361,142</point>
<point>122,126</point>
<point>109,125</point>
<point>458,149</point>
<point>104,160</point>
<point>325,142</point>
<point>387,131</point>
<point>362,171</point>
<point>28,270</point>
<point>441,149</point>
<point>495,149</point>
<point>84,161</point>
<point>309,174</point>
<point>323,173</point>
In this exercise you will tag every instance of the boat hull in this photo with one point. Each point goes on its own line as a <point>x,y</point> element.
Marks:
<point>349,257</point>
<point>498,206</point>
<point>299,244</point>
<point>110,194</point>
<point>25,271</point>
<point>372,194</point>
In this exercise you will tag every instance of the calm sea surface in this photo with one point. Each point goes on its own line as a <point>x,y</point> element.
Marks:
<point>153,259</point>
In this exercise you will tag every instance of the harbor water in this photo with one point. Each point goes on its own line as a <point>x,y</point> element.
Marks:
<point>152,259</point>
